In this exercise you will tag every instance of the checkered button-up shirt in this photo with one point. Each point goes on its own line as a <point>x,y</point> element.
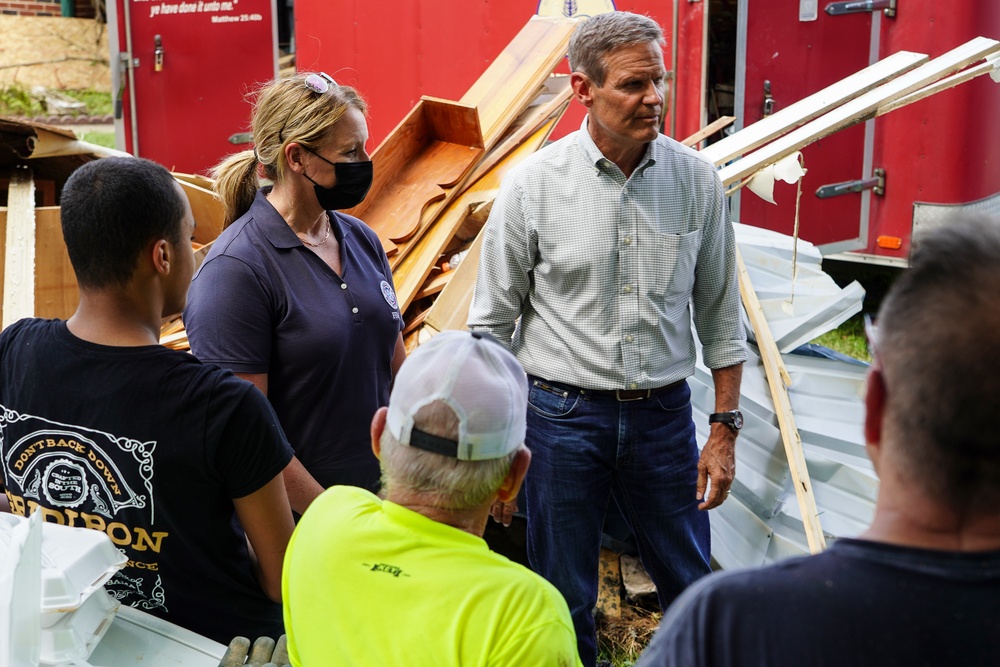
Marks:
<point>605,271</point>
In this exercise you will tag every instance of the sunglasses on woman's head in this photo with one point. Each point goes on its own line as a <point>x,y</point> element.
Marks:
<point>319,83</point>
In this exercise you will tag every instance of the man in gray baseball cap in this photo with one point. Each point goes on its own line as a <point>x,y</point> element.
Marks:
<point>408,579</point>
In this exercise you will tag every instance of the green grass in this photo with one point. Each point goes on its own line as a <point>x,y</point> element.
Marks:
<point>106,139</point>
<point>849,338</point>
<point>16,100</point>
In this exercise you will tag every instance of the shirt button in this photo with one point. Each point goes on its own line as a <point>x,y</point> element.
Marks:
<point>354,310</point>
<point>343,285</point>
<point>628,338</point>
<point>627,289</point>
<point>627,240</point>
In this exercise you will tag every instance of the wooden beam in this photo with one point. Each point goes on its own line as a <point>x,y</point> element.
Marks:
<point>944,84</point>
<point>512,79</point>
<point>709,130</point>
<point>207,209</point>
<point>19,248</point>
<point>859,109</point>
<point>790,117</point>
<point>778,380</point>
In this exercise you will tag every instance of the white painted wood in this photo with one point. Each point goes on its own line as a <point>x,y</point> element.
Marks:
<point>19,256</point>
<point>790,117</point>
<point>937,87</point>
<point>861,108</point>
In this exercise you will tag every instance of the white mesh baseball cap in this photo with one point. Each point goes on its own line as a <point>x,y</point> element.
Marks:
<point>479,379</point>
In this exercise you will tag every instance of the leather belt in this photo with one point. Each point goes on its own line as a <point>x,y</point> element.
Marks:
<point>617,394</point>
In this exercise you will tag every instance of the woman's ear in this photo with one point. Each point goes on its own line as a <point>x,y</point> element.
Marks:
<point>293,157</point>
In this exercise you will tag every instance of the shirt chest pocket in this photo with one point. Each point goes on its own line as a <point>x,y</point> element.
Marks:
<point>669,264</point>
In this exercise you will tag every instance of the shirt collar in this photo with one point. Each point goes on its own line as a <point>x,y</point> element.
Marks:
<point>274,226</point>
<point>596,157</point>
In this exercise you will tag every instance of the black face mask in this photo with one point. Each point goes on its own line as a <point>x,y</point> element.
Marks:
<point>353,182</point>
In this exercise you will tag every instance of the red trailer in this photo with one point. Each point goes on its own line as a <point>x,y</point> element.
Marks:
<point>745,58</point>
<point>739,57</point>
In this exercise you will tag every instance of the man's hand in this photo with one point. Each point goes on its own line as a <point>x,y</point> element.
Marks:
<point>718,463</point>
<point>502,512</point>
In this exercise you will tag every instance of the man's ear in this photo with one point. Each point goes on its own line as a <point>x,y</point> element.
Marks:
<point>515,476</point>
<point>161,255</point>
<point>378,425</point>
<point>875,406</point>
<point>583,88</point>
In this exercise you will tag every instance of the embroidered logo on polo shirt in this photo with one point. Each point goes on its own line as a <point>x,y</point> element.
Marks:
<point>388,294</point>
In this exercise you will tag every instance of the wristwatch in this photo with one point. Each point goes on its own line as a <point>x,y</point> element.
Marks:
<point>733,419</point>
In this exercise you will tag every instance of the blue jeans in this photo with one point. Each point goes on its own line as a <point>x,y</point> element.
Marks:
<point>643,454</point>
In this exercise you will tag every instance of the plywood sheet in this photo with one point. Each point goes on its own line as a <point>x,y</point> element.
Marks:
<point>56,291</point>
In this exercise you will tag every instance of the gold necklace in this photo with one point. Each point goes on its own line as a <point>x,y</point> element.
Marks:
<point>316,245</point>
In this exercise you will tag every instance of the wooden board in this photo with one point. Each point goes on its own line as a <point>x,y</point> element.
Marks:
<point>609,584</point>
<point>860,108</point>
<point>429,151</point>
<point>708,130</point>
<point>778,380</point>
<point>18,297</point>
<point>207,210</point>
<point>411,273</point>
<point>512,79</point>
<point>812,106</point>
<point>56,291</point>
<point>937,87</point>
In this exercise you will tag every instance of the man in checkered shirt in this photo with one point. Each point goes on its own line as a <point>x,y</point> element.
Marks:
<point>598,251</point>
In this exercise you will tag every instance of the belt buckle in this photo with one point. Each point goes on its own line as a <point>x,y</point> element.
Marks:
<point>641,397</point>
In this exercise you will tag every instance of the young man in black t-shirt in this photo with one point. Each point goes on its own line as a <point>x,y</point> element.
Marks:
<point>179,462</point>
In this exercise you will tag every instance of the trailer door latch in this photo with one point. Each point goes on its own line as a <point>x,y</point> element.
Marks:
<point>857,6</point>
<point>876,184</point>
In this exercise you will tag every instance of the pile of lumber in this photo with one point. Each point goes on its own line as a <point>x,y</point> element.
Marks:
<point>438,171</point>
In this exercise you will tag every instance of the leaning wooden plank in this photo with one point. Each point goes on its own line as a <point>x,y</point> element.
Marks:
<point>56,291</point>
<point>708,130</point>
<point>860,109</point>
<point>19,249</point>
<point>430,151</point>
<point>783,120</point>
<point>790,437</point>
<point>434,284</point>
<point>411,273</point>
<point>194,179</point>
<point>511,80</point>
<point>944,84</point>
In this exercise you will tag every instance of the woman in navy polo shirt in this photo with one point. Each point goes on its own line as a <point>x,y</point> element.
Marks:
<point>295,296</point>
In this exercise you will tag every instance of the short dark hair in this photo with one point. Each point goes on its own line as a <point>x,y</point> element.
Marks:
<point>937,342</point>
<point>111,208</point>
<point>599,35</point>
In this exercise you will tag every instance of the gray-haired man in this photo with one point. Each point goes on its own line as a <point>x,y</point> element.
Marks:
<point>408,580</point>
<point>598,251</point>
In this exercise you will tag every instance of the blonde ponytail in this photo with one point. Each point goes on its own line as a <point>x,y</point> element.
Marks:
<point>236,184</point>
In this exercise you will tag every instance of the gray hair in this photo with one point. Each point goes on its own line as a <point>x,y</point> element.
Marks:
<point>446,482</point>
<point>938,333</point>
<point>601,34</point>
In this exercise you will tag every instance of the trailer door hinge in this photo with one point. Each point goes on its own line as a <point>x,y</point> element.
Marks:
<point>876,184</point>
<point>888,7</point>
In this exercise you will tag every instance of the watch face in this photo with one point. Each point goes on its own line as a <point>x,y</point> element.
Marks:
<point>737,419</point>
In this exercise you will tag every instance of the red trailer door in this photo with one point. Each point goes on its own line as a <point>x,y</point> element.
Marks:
<point>788,56</point>
<point>184,69</point>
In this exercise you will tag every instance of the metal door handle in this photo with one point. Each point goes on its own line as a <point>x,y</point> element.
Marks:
<point>876,184</point>
<point>157,54</point>
<point>858,6</point>
<point>768,100</point>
